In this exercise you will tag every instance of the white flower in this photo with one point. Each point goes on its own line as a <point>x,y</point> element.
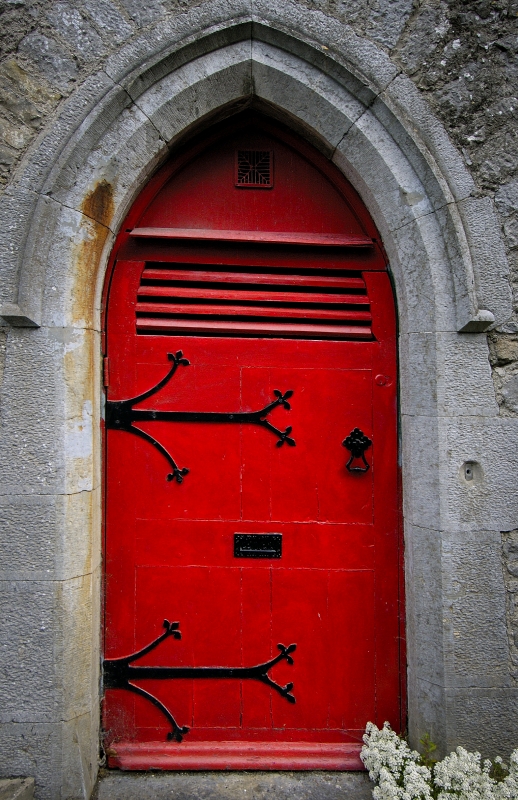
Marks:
<point>401,775</point>
<point>508,788</point>
<point>394,766</point>
<point>462,776</point>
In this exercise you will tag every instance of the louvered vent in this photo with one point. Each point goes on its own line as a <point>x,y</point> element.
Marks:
<point>278,303</point>
<point>254,168</point>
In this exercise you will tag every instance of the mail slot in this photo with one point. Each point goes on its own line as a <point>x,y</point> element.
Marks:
<point>257,545</point>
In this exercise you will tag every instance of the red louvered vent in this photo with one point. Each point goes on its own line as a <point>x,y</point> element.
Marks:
<point>240,301</point>
<point>254,168</point>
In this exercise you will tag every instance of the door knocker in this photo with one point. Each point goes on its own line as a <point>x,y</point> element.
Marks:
<point>357,443</point>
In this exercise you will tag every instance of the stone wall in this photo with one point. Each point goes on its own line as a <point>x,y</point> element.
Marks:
<point>461,54</point>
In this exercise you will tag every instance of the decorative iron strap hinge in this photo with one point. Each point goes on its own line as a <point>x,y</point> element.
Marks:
<point>120,415</point>
<point>118,673</point>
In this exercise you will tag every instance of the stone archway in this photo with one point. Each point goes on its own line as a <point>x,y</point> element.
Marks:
<point>449,272</point>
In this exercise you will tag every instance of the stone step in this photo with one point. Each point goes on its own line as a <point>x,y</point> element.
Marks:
<point>116,785</point>
<point>16,788</point>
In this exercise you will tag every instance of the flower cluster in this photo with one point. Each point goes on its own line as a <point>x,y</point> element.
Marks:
<point>401,774</point>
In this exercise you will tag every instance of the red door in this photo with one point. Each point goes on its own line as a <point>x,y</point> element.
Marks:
<point>251,607</point>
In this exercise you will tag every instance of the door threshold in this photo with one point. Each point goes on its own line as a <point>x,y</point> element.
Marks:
<point>235,755</point>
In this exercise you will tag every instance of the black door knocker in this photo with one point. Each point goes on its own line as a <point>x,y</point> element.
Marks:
<point>357,443</point>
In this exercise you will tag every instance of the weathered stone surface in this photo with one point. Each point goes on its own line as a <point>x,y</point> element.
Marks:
<point>33,749</point>
<point>112,172</point>
<point>491,269</point>
<point>144,13</point>
<point>109,21</point>
<point>446,373</point>
<point>503,349</point>
<point>16,788</point>
<point>474,604</point>
<point>493,709</point>
<point>32,414</point>
<point>71,26</point>
<point>361,56</point>
<point>387,20</point>
<point>52,60</point>
<point>16,209</point>
<point>29,627</point>
<point>510,572</point>
<point>470,505</point>
<point>331,114</point>
<point>174,32</point>
<point>421,474</point>
<point>424,622</point>
<point>200,86</point>
<point>423,37</point>
<point>225,786</point>
<point>27,538</point>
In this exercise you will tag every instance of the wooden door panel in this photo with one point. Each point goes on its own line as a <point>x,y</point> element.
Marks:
<point>183,542</point>
<point>334,591</point>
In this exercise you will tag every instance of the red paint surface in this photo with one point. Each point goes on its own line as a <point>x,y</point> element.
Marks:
<point>169,547</point>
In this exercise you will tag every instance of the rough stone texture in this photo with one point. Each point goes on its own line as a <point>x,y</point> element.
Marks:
<point>17,789</point>
<point>222,786</point>
<point>510,568</point>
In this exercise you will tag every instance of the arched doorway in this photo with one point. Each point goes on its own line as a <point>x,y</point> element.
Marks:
<point>252,610</point>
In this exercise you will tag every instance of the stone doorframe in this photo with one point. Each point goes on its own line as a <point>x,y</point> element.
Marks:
<point>59,221</point>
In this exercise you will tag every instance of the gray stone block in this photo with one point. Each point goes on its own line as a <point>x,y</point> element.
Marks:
<point>506,199</point>
<point>36,750</point>
<point>50,58</point>
<point>330,109</point>
<point>490,266</point>
<point>127,152</point>
<point>424,604</point>
<point>425,300</point>
<point>418,373</point>
<point>144,13</point>
<point>387,20</point>
<point>474,601</point>
<point>421,473</point>
<point>404,135</point>
<point>495,732</point>
<point>228,786</point>
<point>97,94</point>
<point>489,501</point>
<point>15,211</point>
<point>376,157</point>
<point>16,788</point>
<point>30,625</point>
<point>75,647</point>
<point>446,374</point>
<point>413,111</point>
<point>80,756</point>
<point>426,702</point>
<point>424,35</point>
<point>46,537</point>
<point>464,383</point>
<point>76,249</point>
<point>198,89</point>
<point>32,411</point>
<point>108,19</point>
<point>73,28</point>
<point>330,63</point>
<point>186,51</point>
<point>158,42</point>
<point>363,58</point>
<point>28,537</point>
